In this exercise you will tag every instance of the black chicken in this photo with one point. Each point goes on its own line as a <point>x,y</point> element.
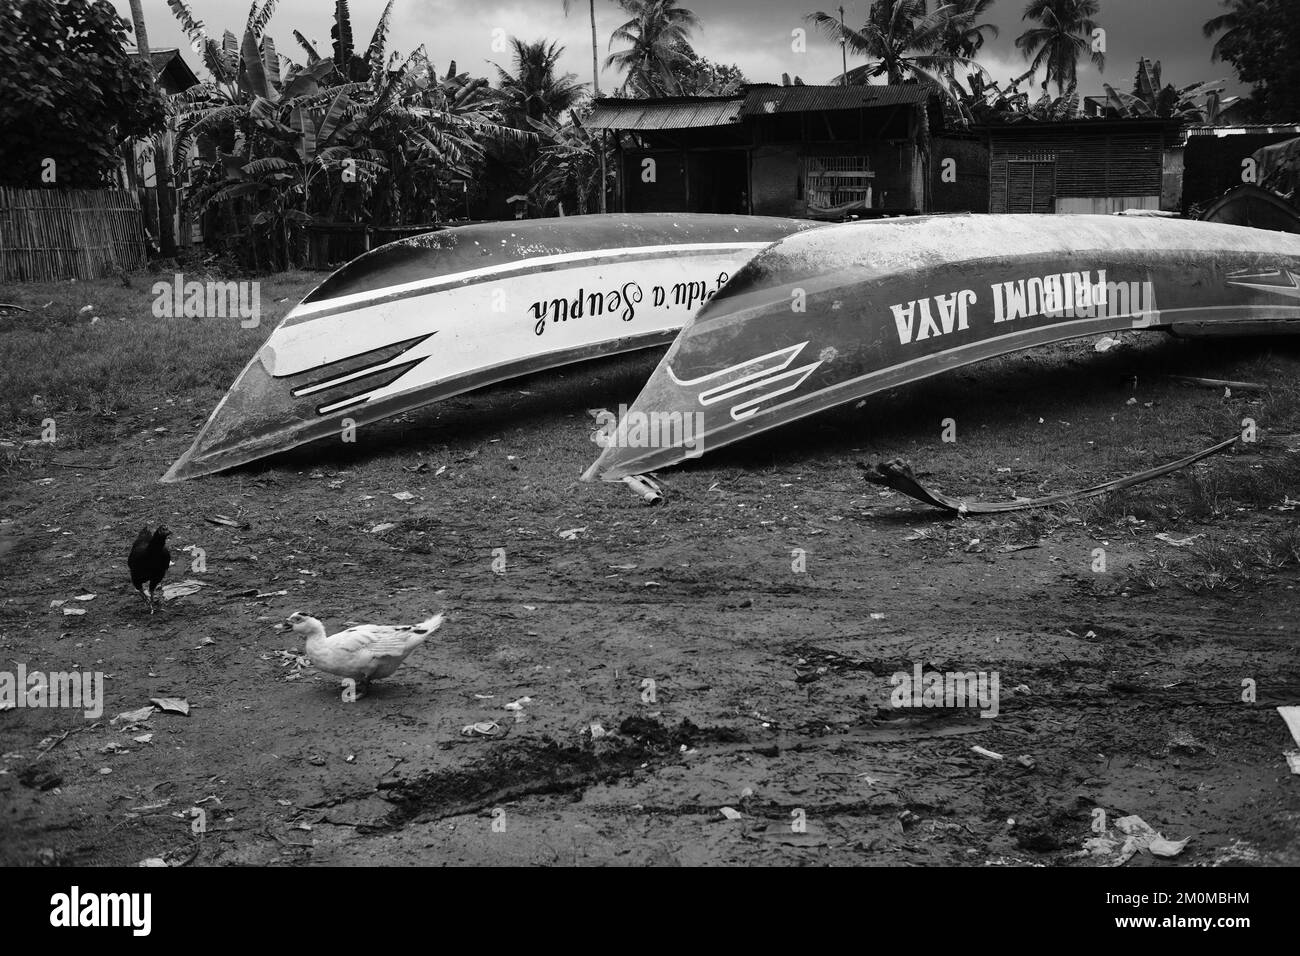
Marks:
<point>148,561</point>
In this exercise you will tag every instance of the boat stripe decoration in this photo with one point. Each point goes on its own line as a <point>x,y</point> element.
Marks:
<point>1292,289</point>
<point>381,377</point>
<point>503,270</point>
<point>400,349</point>
<point>764,378</point>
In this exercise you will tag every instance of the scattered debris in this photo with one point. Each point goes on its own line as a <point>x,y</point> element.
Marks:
<point>571,534</point>
<point>1220,383</point>
<point>484,728</point>
<point>647,488</point>
<point>1184,743</point>
<point>382,527</point>
<point>987,753</point>
<point>731,813</point>
<point>172,705</point>
<point>293,660</point>
<point>403,496</point>
<point>182,588</point>
<point>133,716</point>
<point>1012,548</point>
<point>1177,542</point>
<point>223,520</point>
<point>518,704</point>
<point>1143,839</point>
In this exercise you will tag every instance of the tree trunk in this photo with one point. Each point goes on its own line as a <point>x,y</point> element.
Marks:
<point>162,160</point>
<point>595,87</point>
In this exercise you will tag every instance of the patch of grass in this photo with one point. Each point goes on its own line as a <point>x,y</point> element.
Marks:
<point>1225,564</point>
<point>56,363</point>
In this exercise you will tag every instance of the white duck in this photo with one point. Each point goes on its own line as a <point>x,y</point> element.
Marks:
<point>364,653</point>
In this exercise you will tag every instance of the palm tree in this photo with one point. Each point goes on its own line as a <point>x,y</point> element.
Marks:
<point>535,91</point>
<point>659,34</point>
<point>1062,36</point>
<point>595,55</point>
<point>962,34</point>
<point>904,42</point>
<point>595,80</point>
<point>1232,25</point>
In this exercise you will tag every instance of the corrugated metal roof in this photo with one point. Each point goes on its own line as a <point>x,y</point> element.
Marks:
<point>802,99</point>
<point>687,112</point>
<point>675,113</point>
<point>1242,130</point>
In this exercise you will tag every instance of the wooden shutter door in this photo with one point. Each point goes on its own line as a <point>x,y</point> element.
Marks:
<point>1031,187</point>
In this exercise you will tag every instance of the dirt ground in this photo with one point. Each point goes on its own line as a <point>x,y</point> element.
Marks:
<point>1120,690</point>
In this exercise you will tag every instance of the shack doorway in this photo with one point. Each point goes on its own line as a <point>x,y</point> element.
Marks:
<point>718,181</point>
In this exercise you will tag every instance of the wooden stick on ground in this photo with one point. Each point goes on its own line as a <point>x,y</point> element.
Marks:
<point>897,474</point>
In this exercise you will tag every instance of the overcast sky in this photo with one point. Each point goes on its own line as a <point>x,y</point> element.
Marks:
<point>755,34</point>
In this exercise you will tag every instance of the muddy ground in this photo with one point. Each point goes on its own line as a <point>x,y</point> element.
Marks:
<point>1121,690</point>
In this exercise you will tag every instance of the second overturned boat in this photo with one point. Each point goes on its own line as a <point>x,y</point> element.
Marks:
<point>425,318</point>
<point>839,313</point>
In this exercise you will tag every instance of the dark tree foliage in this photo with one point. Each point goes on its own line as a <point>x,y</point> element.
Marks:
<point>699,76</point>
<point>69,91</point>
<point>1261,39</point>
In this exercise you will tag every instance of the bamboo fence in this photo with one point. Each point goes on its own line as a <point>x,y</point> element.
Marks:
<point>52,234</point>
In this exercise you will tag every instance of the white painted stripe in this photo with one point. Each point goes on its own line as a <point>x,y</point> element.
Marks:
<point>342,379</point>
<point>790,352</point>
<point>375,295</point>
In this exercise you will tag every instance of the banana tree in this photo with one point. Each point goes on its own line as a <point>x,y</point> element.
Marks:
<point>1193,103</point>
<point>437,133</point>
<point>320,140</point>
<point>568,165</point>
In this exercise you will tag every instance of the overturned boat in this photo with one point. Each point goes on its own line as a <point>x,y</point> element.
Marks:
<point>839,313</point>
<point>432,316</point>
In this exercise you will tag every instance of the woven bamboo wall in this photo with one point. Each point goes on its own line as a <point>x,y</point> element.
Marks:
<point>51,234</point>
